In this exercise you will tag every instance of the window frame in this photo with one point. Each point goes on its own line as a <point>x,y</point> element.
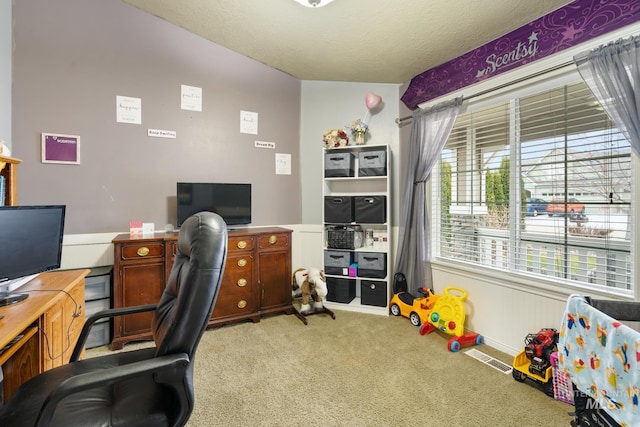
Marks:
<point>514,276</point>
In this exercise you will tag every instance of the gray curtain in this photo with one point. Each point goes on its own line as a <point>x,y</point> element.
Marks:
<point>612,72</point>
<point>430,130</point>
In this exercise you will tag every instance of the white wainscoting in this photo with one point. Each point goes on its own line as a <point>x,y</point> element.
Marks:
<point>87,250</point>
<point>504,312</point>
<point>307,246</point>
<point>95,250</point>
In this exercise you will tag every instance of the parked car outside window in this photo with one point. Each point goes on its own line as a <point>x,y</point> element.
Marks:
<point>536,206</point>
<point>562,207</point>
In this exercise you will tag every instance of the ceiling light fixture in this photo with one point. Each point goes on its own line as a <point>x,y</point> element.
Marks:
<point>314,3</point>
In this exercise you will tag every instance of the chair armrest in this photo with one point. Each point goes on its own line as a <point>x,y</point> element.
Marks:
<point>171,363</point>
<point>104,314</point>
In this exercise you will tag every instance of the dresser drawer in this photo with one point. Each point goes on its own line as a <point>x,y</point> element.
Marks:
<point>240,243</point>
<point>239,264</point>
<point>275,240</point>
<point>238,275</point>
<point>231,304</point>
<point>236,282</point>
<point>142,250</point>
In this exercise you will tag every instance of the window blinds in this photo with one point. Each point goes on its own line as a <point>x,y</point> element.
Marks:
<point>539,185</point>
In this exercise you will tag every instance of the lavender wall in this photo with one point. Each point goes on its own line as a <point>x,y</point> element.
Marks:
<point>328,105</point>
<point>73,57</point>
<point>5,71</point>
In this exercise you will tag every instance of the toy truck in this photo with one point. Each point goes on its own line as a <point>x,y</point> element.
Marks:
<point>534,362</point>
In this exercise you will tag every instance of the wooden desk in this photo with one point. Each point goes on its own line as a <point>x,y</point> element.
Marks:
<point>50,320</point>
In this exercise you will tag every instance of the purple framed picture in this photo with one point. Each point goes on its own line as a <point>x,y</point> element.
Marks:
<point>59,148</point>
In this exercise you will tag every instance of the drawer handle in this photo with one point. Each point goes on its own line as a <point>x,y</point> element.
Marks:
<point>272,240</point>
<point>242,303</point>
<point>143,251</point>
<point>242,283</point>
<point>242,262</point>
<point>242,244</point>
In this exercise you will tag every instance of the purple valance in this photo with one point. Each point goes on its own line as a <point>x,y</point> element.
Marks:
<point>568,26</point>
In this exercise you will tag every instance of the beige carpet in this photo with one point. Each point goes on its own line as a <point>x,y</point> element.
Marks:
<point>356,370</point>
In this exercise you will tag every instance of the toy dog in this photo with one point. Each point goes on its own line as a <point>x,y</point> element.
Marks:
<point>311,285</point>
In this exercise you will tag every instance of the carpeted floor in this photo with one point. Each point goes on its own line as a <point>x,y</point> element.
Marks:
<point>356,370</point>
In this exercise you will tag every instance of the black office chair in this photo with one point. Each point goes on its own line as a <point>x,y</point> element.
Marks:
<point>147,387</point>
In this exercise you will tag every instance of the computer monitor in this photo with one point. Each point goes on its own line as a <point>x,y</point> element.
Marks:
<point>30,243</point>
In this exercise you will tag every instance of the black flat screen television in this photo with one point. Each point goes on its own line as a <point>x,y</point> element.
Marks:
<point>30,243</point>
<point>231,201</point>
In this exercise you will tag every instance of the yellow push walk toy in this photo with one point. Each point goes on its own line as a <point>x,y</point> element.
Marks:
<point>448,316</point>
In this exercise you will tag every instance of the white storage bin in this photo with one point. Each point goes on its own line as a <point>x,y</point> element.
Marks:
<point>100,335</point>
<point>98,284</point>
<point>96,289</point>
<point>92,307</point>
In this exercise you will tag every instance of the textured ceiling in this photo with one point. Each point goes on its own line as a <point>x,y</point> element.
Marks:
<point>375,41</point>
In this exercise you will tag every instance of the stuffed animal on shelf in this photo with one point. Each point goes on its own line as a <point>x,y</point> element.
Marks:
<point>312,286</point>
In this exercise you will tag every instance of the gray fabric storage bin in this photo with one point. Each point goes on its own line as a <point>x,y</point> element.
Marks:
<point>370,209</point>
<point>372,163</point>
<point>338,165</point>
<point>337,262</point>
<point>338,209</point>
<point>372,264</point>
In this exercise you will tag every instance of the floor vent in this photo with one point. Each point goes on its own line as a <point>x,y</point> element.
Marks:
<point>488,360</point>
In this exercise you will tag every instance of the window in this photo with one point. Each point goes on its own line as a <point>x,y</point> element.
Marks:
<point>539,185</point>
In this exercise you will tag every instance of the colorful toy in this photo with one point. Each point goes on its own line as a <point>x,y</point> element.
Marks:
<point>448,315</point>
<point>534,362</point>
<point>404,304</point>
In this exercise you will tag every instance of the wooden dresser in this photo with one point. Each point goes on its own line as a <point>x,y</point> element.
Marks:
<point>256,281</point>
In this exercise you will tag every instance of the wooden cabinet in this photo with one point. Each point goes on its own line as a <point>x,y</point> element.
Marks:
<point>60,326</point>
<point>256,280</point>
<point>257,277</point>
<point>139,279</point>
<point>47,323</point>
<point>274,260</point>
<point>23,363</point>
<point>9,173</point>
